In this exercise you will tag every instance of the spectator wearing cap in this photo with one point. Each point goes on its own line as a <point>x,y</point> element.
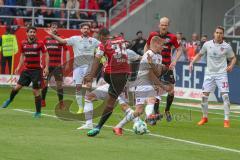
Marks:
<point>139,43</point>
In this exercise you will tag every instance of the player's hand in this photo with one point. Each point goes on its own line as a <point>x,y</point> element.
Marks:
<point>88,79</point>
<point>149,58</point>
<point>16,70</point>
<point>229,68</point>
<point>48,31</point>
<point>172,65</point>
<point>67,67</point>
<point>45,72</point>
<point>190,67</point>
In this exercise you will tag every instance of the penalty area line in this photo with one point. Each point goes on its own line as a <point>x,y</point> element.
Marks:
<point>155,135</point>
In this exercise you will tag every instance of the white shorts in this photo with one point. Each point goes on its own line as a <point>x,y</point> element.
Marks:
<point>143,93</point>
<point>79,73</point>
<point>101,93</point>
<point>211,81</point>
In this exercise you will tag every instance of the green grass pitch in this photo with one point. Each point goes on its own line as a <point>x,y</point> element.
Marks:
<point>24,138</point>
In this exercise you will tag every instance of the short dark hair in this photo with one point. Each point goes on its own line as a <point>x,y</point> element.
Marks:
<point>54,24</point>
<point>138,32</point>
<point>104,32</point>
<point>85,24</point>
<point>221,28</point>
<point>31,27</point>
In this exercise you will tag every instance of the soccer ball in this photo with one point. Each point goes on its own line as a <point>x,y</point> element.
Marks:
<point>140,127</point>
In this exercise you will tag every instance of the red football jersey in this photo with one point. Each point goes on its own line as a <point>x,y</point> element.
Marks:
<point>32,53</point>
<point>55,50</point>
<point>115,51</point>
<point>170,40</point>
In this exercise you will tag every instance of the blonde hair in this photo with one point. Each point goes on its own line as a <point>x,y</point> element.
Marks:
<point>154,40</point>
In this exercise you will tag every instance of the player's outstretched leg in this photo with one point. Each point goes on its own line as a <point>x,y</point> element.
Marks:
<point>106,114</point>
<point>88,110</point>
<point>13,93</point>
<point>118,129</point>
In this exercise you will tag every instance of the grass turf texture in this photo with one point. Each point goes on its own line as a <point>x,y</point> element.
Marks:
<point>24,138</point>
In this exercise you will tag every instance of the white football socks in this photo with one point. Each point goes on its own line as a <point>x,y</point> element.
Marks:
<point>88,110</point>
<point>149,109</point>
<point>126,119</point>
<point>79,99</point>
<point>226,106</point>
<point>205,106</point>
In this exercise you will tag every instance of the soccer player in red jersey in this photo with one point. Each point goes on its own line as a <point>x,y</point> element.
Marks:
<point>55,51</point>
<point>170,41</point>
<point>116,72</point>
<point>31,50</point>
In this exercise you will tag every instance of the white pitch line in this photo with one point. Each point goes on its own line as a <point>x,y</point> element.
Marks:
<point>157,135</point>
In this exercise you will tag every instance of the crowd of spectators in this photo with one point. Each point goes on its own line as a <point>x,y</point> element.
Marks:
<point>51,9</point>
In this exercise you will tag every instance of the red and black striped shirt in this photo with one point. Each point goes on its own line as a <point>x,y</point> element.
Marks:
<point>170,41</point>
<point>32,53</point>
<point>55,50</point>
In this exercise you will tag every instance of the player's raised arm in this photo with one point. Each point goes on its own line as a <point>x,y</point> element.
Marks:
<point>59,39</point>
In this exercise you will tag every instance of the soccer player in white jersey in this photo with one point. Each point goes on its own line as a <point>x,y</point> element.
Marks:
<point>146,90</point>
<point>83,49</point>
<point>217,52</point>
<point>101,92</point>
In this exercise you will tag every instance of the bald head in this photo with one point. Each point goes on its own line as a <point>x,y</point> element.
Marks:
<point>163,25</point>
<point>164,20</point>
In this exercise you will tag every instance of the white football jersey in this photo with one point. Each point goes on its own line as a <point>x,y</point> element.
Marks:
<point>217,55</point>
<point>83,49</point>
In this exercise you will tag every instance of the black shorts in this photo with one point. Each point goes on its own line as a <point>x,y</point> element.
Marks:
<point>31,75</point>
<point>56,72</point>
<point>117,82</point>
<point>168,77</point>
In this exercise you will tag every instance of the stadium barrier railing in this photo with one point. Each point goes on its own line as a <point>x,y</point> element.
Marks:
<point>9,13</point>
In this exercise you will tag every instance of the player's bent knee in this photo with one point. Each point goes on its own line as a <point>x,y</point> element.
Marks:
<point>36,92</point>
<point>124,106</point>
<point>90,97</point>
<point>151,100</point>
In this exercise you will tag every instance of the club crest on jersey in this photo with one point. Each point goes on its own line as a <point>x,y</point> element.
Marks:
<point>167,40</point>
<point>222,49</point>
<point>34,45</point>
